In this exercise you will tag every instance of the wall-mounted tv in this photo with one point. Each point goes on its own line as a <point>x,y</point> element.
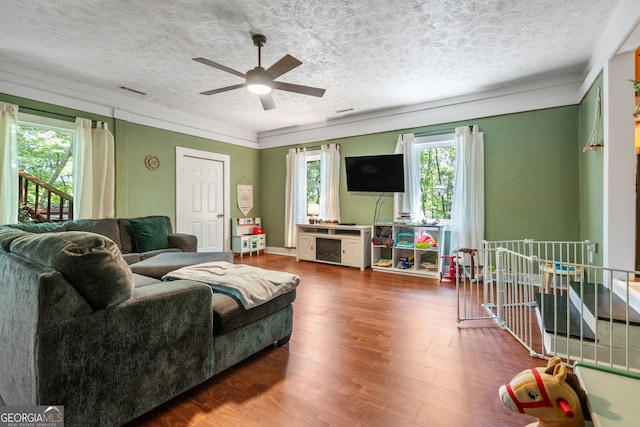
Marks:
<point>382,173</point>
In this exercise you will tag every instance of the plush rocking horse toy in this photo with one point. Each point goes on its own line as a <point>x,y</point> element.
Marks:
<point>551,394</point>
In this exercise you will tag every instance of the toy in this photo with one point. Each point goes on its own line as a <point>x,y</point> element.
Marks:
<point>384,238</point>
<point>551,394</point>
<point>383,262</point>
<point>426,241</point>
<point>405,262</point>
<point>405,240</point>
<point>455,270</point>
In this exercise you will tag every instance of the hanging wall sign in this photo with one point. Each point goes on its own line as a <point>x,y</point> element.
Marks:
<point>245,198</point>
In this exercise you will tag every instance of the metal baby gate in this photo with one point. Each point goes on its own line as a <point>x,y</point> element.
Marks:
<point>553,300</point>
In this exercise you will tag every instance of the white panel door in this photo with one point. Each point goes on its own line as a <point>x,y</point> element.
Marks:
<point>200,198</point>
<point>205,202</point>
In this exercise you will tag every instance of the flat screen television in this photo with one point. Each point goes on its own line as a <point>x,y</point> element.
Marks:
<point>382,173</point>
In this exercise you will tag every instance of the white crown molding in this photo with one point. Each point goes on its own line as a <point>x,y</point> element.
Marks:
<point>202,129</point>
<point>524,97</point>
<point>621,34</point>
<point>32,84</point>
<point>24,87</point>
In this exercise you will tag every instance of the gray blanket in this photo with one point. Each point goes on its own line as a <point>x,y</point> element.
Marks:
<point>252,286</point>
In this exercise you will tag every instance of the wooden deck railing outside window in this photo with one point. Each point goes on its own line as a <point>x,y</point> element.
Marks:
<point>57,206</point>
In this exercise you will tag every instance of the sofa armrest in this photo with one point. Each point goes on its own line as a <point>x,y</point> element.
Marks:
<point>118,363</point>
<point>185,242</point>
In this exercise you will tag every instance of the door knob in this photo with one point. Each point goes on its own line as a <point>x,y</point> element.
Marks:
<point>220,215</point>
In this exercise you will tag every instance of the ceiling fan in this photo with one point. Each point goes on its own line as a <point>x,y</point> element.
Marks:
<point>260,81</point>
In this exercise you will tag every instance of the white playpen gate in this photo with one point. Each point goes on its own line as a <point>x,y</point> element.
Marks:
<point>551,298</point>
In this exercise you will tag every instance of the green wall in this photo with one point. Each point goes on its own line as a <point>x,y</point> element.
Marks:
<point>532,173</point>
<point>591,172</point>
<point>140,191</point>
<point>531,176</point>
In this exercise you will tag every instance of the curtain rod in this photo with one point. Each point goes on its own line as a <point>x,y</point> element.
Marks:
<point>438,131</point>
<point>27,110</point>
<point>315,147</point>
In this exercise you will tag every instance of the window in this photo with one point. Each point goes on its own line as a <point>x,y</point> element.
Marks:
<point>311,177</point>
<point>313,183</point>
<point>437,169</point>
<point>44,152</point>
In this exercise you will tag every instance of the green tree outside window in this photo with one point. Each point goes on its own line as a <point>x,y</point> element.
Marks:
<point>437,167</point>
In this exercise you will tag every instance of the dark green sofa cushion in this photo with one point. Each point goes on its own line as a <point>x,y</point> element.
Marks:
<point>150,234</point>
<point>90,262</point>
<point>107,227</point>
<point>40,227</point>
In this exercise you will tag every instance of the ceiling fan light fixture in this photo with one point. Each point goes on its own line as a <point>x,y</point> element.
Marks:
<point>259,89</point>
<point>258,82</point>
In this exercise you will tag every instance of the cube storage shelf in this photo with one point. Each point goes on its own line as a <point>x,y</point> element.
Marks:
<point>244,239</point>
<point>416,249</point>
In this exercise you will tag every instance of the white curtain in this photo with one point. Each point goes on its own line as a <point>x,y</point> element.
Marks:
<point>409,201</point>
<point>8,163</point>
<point>467,210</point>
<point>93,170</point>
<point>330,182</point>
<point>295,195</point>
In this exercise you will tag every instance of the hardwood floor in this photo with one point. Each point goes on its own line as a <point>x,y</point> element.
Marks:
<point>368,349</point>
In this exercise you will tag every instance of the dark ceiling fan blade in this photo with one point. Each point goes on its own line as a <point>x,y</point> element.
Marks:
<point>267,101</point>
<point>222,89</point>
<point>305,90</point>
<point>284,65</point>
<point>219,67</point>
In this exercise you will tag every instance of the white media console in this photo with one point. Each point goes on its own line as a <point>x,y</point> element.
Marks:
<point>348,245</point>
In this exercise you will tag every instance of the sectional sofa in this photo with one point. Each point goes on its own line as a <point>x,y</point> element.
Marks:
<point>136,238</point>
<point>80,329</point>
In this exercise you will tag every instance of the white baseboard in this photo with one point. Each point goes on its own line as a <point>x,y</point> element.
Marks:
<point>281,251</point>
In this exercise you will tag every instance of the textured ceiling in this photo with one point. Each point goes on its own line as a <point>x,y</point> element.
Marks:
<point>369,54</point>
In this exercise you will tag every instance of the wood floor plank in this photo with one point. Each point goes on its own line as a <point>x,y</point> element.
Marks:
<point>368,349</point>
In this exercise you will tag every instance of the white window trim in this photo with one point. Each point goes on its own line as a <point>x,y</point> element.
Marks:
<point>26,119</point>
<point>312,157</point>
<point>435,141</point>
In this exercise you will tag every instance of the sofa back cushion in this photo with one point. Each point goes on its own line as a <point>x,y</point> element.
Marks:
<point>90,262</point>
<point>107,227</point>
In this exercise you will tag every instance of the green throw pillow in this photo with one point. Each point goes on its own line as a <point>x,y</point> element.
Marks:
<point>150,234</point>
